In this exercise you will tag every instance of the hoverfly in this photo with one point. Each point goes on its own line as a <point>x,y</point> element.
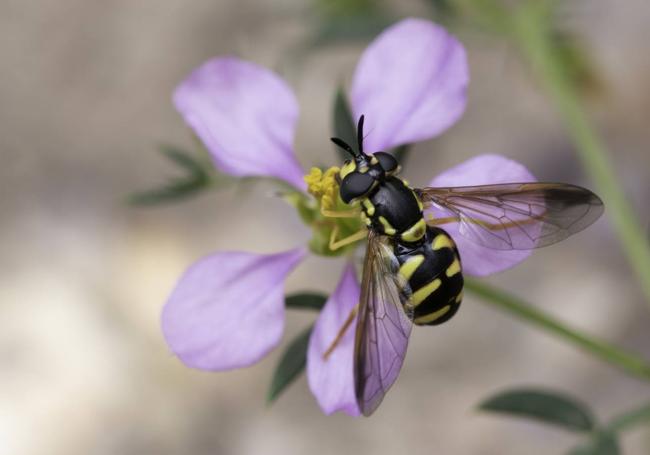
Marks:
<point>412,271</point>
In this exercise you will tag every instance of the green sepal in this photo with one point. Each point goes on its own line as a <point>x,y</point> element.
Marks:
<point>546,406</point>
<point>291,365</point>
<point>322,230</point>
<point>601,443</point>
<point>306,206</point>
<point>306,300</point>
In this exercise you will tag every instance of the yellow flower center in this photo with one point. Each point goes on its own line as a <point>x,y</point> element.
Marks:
<point>323,186</point>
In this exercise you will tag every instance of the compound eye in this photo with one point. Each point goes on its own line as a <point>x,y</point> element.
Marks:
<point>387,162</point>
<point>355,185</point>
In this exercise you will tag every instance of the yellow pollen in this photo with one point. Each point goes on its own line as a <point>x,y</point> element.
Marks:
<point>323,186</point>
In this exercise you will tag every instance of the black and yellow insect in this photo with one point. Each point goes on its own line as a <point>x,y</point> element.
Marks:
<point>412,271</point>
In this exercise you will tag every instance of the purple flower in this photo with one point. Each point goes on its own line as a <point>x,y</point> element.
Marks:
<point>227,311</point>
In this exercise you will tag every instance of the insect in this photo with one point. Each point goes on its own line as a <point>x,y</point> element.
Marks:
<point>412,271</point>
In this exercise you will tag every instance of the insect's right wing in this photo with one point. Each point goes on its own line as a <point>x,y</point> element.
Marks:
<point>383,326</point>
<point>516,216</point>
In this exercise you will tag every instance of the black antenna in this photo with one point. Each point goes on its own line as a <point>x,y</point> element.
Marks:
<point>360,134</point>
<point>344,145</point>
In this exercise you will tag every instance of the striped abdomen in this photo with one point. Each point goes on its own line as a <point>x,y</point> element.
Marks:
<point>433,272</point>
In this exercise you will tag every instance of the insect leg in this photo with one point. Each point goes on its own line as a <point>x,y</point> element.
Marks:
<point>352,213</point>
<point>342,331</point>
<point>336,244</point>
<point>431,221</point>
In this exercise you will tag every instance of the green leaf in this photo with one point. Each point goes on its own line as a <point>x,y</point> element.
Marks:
<point>306,300</point>
<point>182,158</point>
<point>344,126</point>
<point>602,443</point>
<point>291,364</point>
<point>575,61</point>
<point>338,9</point>
<point>175,190</point>
<point>198,176</point>
<point>401,153</point>
<point>332,31</point>
<point>444,10</point>
<point>340,21</point>
<point>546,406</point>
<point>630,419</point>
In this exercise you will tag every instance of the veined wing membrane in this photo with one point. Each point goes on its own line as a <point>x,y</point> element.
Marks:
<point>383,327</point>
<point>515,216</point>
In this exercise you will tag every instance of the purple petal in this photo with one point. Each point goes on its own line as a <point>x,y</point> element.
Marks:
<point>331,380</point>
<point>410,84</point>
<point>246,117</point>
<point>227,311</point>
<point>482,170</point>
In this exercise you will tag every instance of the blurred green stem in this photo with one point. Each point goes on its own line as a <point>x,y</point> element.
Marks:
<point>630,419</point>
<point>530,28</point>
<point>630,363</point>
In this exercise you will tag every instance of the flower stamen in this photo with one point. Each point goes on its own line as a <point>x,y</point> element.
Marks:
<point>324,186</point>
<point>337,226</point>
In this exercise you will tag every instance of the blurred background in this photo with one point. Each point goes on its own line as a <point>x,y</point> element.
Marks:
<point>84,102</point>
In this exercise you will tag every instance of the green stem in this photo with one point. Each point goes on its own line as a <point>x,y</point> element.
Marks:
<point>530,28</point>
<point>630,419</point>
<point>630,363</point>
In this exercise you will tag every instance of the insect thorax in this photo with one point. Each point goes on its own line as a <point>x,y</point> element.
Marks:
<point>429,260</point>
<point>393,209</point>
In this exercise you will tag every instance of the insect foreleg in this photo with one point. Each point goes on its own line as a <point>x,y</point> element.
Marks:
<point>352,213</point>
<point>336,244</point>
<point>342,331</point>
<point>431,221</point>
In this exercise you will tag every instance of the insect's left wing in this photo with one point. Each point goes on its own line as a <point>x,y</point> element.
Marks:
<point>515,216</point>
<point>383,326</point>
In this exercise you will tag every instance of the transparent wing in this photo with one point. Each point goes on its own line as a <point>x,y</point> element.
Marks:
<point>515,216</point>
<point>383,327</point>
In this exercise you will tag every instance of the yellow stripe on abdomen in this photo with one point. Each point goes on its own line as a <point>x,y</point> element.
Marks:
<point>442,241</point>
<point>453,269</point>
<point>408,268</point>
<point>425,291</point>
<point>426,319</point>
